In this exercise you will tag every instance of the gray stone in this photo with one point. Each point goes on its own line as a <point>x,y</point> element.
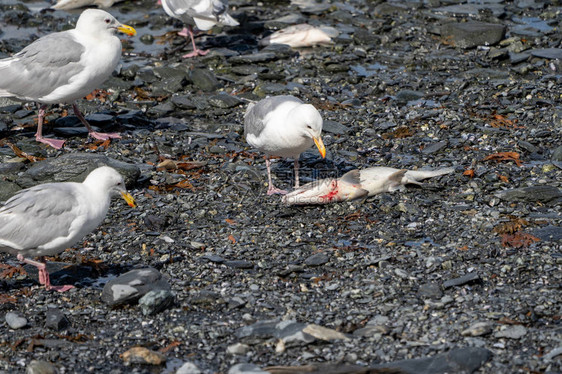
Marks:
<point>204,79</point>
<point>458,360</point>
<point>408,95</point>
<point>239,264</point>
<point>548,53</point>
<point>8,189</point>
<point>154,302</point>
<point>334,127</point>
<point>189,368</point>
<point>373,330</point>
<point>512,332</point>
<point>434,147</point>
<point>74,167</point>
<point>182,102</point>
<point>472,9</point>
<point>15,320</point>
<point>548,233</point>
<point>467,278</point>
<point>40,367</point>
<point>246,369</point>
<point>253,58</point>
<point>556,157</point>
<point>56,320</point>
<point>472,34</point>
<point>224,101</point>
<point>317,259</point>
<point>430,290</point>
<point>133,285</point>
<point>533,194</point>
<point>237,349</point>
<point>478,329</point>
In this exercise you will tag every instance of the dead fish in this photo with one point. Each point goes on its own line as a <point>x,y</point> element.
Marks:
<point>303,35</point>
<point>359,183</point>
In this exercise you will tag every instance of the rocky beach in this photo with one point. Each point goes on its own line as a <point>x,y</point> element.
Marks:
<point>208,274</point>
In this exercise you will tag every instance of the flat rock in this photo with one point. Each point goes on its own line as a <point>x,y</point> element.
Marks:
<point>317,259</point>
<point>467,278</point>
<point>548,233</point>
<point>548,53</point>
<point>204,79</point>
<point>334,127</point>
<point>74,167</point>
<point>430,290</point>
<point>189,368</point>
<point>56,320</point>
<point>512,332</point>
<point>533,194</point>
<point>133,285</point>
<point>458,360</point>
<point>246,369</point>
<point>472,34</point>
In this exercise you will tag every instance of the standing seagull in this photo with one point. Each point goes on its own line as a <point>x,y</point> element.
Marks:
<point>283,126</point>
<point>65,66</point>
<point>46,219</point>
<point>201,13</point>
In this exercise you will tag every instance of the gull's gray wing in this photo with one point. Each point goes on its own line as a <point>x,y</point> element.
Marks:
<point>256,113</point>
<point>182,9</point>
<point>37,215</point>
<point>41,67</point>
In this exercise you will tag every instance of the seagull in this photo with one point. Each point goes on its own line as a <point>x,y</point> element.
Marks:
<point>74,4</point>
<point>283,126</point>
<point>64,66</point>
<point>46,219</point>
<point>201,13</point>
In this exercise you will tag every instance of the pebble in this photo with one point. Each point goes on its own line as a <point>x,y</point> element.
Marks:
<point>511,332</point>
<point>478,329</point>
<point>56,320</point>
<point>154,302</point>
<point>40,367</point>
<point>189,368</point>
<point>142,355</point>
<point>15,320</point>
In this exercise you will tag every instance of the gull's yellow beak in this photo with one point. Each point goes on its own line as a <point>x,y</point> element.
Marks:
<point>320,144</point>
<point>126,29</point>
<point>129,199</point>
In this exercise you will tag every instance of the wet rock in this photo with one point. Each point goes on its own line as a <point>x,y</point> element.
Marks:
<point>458,360</point>
<point>246,369</point>
<point>56,320</point>
<point>556,157</point>
<point>189,368</point>
<point>548,53</point>
<point>142,355</point>
<point>548,233</point>
<point>15,320</point>
<point>317,259</point>
<point>131,286</point>
<point>478,329</point>
<point>533,194</point>
<point>7,189</point>
<point>430,290</point>
<point>253,58</point>
<point>74,167</point>
<point>472,34</point>
<point>511,332</point>
<point>154,302</point>
<point>40,367</point>
<point>182,102</point>
<point>239,264</point>
<point>204,79</point>
<point>467,278</point>
<point>334,127</point>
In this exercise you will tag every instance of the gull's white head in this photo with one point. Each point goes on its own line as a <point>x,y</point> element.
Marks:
<point>107,179</point>
<point>94,21</point>
<point>309,122</point>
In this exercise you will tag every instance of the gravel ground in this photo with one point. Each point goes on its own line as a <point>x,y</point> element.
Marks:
<point>467,266</point>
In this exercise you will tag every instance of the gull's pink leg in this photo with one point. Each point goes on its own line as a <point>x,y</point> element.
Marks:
<point>55,143</point>
<point>183,32</point>
<point>44,275</point>
<point>91,132</point>
<point>272,189</point>
<point>296,173</point>
<point>196,51</point>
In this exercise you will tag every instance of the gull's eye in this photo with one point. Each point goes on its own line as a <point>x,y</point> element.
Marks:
<point>107,20</point>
